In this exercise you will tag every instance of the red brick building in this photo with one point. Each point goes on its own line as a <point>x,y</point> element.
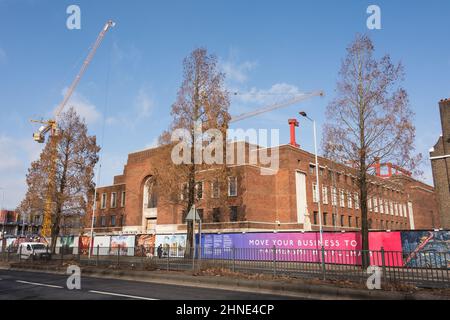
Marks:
<point>282,200</point>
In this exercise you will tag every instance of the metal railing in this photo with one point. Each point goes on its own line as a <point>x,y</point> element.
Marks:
<point>422,269</point>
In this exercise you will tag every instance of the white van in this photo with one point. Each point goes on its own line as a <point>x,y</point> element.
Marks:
<point>33,250</point>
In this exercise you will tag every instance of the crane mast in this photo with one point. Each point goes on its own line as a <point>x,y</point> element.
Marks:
<point>52,127</point>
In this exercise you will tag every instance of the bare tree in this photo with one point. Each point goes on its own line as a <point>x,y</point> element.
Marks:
<point>369,119</point>
<point>203,102</point>
<point>77,154</point>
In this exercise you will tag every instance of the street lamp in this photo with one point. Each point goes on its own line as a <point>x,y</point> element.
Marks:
<point>303,114</point>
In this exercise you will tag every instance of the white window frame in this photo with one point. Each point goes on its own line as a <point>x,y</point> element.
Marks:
<point>349,200</point>
<point>334,196</point>
<point>375,204</point>
<point>103,200</point>
<point>356,201</point>
<point>229,187</point>
<point>122,199</point>
<point>196,190</point>
<point>381,205</point>
<point>314,191</point>
<point>342,198</point>
<point>113,200</point>
<point>369,203</point>
<point>325,194</point>
<point>213,196</point>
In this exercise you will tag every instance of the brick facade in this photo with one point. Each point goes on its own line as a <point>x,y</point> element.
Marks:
<point>271,202</point>
<point>440,164</point>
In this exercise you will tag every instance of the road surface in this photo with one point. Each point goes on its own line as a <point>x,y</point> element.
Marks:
<point>18,285</point>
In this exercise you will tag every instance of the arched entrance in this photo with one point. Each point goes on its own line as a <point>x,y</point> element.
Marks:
<point>149,205</point>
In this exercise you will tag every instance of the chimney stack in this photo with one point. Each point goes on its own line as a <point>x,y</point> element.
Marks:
<point>292,124</point>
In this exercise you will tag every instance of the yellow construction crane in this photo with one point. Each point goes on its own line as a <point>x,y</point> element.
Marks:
<point>51,126</point>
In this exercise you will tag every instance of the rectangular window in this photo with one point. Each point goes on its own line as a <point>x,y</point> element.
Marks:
<point>349,200</point>
<point>381,206</point>
<point>325,219</point>
<point>234,213</point>
<point>386,207</point>
<point>334,219</point>
<point>396,209</point>
<point>314,191</point>
<point>382,224</point>
<point>215,189</point>
<point>325,195</point>
<point>199,189</point>
<point>357,222</point>
<point>113,221</point>
<point>349,221</point>
<point>122,200</point>
<point>356,201</point>
<point>312,169</point>
<point>122,220</point>
<point>404,210</point>
<point>216,215</point>
<point>232,186</point>
<point>102,221</point>
<point>113,199</point>
<point>315,218</point>
<point>103,202</point>
<point>341,198</point>
<point>391,206</point>
<point>369,203</point>
<point>95,221</point>
<point>342,220</point>
<point>375,204</point>
<point>334,196</point>
<point>184,191</point>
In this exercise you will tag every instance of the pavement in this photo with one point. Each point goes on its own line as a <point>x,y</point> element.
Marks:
<point>21,285</point>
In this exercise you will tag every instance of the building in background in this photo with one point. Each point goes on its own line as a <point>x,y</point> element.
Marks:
<point>282,201</point>
<point>9,223</point>
<point>440,164</point>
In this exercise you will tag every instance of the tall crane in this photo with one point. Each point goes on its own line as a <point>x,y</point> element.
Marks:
<point>279,105</point>
<point>51,126</point>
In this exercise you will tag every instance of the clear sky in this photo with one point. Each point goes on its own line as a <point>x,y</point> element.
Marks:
<point>263,46</point>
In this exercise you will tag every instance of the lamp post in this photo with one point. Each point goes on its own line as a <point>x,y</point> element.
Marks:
<point>303,114</point>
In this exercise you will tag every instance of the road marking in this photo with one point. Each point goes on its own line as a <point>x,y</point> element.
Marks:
<point>121,295</point>
<point>39,284</point>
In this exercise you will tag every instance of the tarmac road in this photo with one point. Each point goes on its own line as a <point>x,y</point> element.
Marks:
<point>20,285</point>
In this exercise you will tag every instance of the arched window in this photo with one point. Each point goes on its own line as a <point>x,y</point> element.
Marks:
<point>150,193</point>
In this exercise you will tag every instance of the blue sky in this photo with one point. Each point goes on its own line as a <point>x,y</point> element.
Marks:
<point>263,46</point>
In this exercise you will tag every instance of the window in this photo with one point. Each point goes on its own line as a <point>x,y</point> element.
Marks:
<point>311,169</point>
<point>199,189</point>
<point>386,207</point>
<point>391,205</point>
<point>103,202</point>
<point>232,186</point>
<point>375,204</point>
<point>314,186</point>
<point>404,209</point>
<point>122,220</point>
<point>381,206</point>
<point>321,172</point>
<point>95,221</point>
<point>233,213</point>
<point>349,200</point>
<point>216,215</point>
<point>369,203</point>
<point>184,191</point>
<point>341,198</point>
<point>113,199</point>
<point>122,200</point>
<point>215,189</point>
<point>356,201</point>
<point>152,195</point>
<point>102,221</point>
<point>357,222</point>
<point>113,221</point>
<point>395,208</point>
<point>334,196</point>
<point>325,195</point>
<point>315,218</point>
<point>325,218</point>
<point>334,218</point>
<point>349,221</point>
<point>382,224</point>
<point>342,220</point>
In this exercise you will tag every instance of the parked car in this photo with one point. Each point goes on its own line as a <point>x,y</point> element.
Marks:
<point>33,250</point>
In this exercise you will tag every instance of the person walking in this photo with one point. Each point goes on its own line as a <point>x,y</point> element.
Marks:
<point>159,251</point>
